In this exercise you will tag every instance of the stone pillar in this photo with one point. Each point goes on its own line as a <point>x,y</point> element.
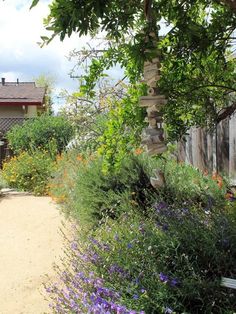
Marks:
<point>153,135</point>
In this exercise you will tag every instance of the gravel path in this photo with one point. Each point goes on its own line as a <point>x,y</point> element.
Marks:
<point>30,242</point>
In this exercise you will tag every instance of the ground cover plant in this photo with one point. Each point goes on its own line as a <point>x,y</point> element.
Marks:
<point>148,251</point>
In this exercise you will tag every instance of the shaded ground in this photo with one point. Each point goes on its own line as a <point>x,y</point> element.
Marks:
<point>30,242</point>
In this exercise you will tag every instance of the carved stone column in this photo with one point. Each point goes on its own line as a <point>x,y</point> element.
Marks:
<point>153,135</point>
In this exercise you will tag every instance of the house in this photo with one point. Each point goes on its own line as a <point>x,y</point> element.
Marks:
<point>18,101</point>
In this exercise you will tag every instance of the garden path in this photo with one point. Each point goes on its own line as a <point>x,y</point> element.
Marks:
<point>30,242</point>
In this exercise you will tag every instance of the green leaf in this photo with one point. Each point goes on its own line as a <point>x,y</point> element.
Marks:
<point>34,3</point>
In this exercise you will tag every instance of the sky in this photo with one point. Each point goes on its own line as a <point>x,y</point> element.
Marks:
<point>20,54</point>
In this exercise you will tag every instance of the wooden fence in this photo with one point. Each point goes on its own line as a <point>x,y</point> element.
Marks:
<point>215,151</point>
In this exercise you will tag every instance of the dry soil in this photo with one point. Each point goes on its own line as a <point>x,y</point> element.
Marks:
<point>30,242</point>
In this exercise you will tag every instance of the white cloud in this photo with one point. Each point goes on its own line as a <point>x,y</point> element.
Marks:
<point>20,55</point>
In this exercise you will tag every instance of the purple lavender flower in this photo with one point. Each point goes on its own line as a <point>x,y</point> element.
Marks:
<point>49,289</point>
<point>165,227</point>
<point>116,269</point>
<point>185,211</point>
<point>168,310</point>
<point>74,246</point>
<point>106,247</point>
<point>129,245</point>
<point>162,226</point>
<point>163,277</point>
<point>135,297</point>
<point>160,206</point>
<point>73,305</point>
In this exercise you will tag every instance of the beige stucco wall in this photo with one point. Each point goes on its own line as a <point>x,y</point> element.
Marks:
<point>11,112</point>
<point>18,111</point>
<point>31,112</point>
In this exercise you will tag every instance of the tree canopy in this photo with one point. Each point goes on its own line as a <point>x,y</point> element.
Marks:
<point>198,68</point>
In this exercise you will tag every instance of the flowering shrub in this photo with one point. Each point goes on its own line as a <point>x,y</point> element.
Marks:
<point>148,266</point>
<point>156,251</point>
<point>29,171</point>
<point>90,195</point>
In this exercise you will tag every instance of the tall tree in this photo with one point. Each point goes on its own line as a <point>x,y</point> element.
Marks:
<point>48,82</point>
<point>198,70</point>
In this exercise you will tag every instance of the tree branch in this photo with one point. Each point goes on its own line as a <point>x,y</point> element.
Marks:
<point>225,113</point>
<point>213,85</point>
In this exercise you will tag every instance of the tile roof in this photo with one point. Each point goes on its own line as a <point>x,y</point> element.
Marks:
<point>21,92</point>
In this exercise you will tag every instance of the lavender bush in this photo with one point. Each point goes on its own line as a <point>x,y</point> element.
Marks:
<point>80,289</point>
<point>164,252</point>
<point>166,263</point>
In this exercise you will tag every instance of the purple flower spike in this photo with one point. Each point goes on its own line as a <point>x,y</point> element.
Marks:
<point>74,246</point>
<point>160,206</point>
<point>163,277</point>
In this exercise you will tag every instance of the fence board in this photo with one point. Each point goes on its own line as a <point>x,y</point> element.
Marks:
<point>222,150</point>
<point>199,148</point>
<point>212,151</point>
<point>232,149</point>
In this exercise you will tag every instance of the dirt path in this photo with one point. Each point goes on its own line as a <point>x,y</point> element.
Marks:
<point>30,242</point>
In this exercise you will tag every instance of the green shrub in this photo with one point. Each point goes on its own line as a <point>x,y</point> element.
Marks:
<point>29,171</point>
<point>44,132</point>
<point>91,195</point>
<point>184,183</point>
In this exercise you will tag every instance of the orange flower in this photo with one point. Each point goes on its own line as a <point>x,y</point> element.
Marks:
<point>80,158</point>
<point>220,184</point>
<point>216,177</point>
<point>138,151</point>
<point>59,157</point>
<point>205,172</point>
